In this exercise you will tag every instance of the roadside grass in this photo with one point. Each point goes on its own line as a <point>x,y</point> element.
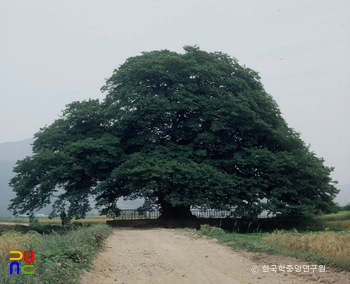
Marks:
<point>60,255</point>
<point>317,240</point>
<point>326,246</point>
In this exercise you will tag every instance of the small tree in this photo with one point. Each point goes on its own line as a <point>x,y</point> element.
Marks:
<point>194,129</point>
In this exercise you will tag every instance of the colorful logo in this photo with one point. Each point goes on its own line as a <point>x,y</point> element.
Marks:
<point>27,268</point>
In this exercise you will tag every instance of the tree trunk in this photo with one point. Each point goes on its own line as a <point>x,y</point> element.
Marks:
<point>174,212</point>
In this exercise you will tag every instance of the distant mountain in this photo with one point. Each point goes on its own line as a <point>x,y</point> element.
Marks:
<point>14,151</point>
<point>10,153</point>
<point>6,194</point>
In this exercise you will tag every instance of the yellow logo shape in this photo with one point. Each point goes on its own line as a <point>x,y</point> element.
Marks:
<point>16,252</point>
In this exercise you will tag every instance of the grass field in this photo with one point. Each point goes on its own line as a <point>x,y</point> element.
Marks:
<point>329,245</point>
<point>339,220</point>
<point>345,224</point>
<point>333,246</point>
<point>61,254</point>
<point>340,216</point>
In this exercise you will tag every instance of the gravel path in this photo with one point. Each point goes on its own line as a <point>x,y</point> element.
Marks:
<point>172,256</point>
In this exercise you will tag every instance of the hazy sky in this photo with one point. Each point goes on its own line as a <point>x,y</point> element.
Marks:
<point>56,52</point>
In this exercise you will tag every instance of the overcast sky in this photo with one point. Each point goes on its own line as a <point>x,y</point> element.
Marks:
<point>56,52</point>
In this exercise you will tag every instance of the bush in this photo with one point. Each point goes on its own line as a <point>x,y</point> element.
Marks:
<point>208,230</point>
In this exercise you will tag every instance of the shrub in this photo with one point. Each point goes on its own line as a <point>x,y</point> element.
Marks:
<point>59,257</point>
<point>208,230</point>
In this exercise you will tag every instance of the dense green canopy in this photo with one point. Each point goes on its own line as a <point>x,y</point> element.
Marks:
<point>183,130</point>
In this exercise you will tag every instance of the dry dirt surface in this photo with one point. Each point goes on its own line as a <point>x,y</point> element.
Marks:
<point>8,225</point>
<point>173,256</point>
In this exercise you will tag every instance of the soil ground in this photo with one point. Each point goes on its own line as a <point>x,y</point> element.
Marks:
<point>8,225</point>
<point>173,256</point>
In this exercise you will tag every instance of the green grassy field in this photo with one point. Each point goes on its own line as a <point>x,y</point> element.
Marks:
<point>340,216</point>
<point>340,220</point>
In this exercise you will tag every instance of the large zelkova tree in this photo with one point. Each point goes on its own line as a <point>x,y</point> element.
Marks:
<point>182,130</point>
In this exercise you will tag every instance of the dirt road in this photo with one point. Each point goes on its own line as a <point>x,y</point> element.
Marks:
<point>8,224</point>
<point>172,256</point>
